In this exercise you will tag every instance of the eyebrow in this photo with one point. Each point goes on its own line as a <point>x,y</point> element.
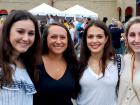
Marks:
<point>24,29</point>
<point>94,34</point>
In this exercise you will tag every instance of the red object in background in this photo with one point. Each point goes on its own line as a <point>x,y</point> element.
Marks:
<point>128,11</point>
<point>3,12</point>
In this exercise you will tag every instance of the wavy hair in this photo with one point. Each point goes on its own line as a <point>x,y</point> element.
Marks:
<point>69,54</point>
<point>30,58</point>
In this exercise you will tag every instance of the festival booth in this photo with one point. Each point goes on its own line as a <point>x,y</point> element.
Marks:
<point>45,9</point>
<point>78,10</point>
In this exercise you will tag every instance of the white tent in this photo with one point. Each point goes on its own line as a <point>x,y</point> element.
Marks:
<point>45,9</point>
<point>79,11</point>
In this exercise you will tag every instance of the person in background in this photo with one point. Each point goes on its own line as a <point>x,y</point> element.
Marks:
<point>85,23</point>
<point>2,19</point>
<point>129,91</point>
<point>73,32</point>
<point>50,19</point>
<point>19,53</point>
<point>1,25</point>
<point>105,19</point>
<point>66,23</point>
<point>58,72</point>
<point>99,72</point>
<point>116,29</point>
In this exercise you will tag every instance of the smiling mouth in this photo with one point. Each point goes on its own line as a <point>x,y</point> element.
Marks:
<point>58,47</point>
<point>95,46</point>
<point>137,47</point>
<point>24,44</point>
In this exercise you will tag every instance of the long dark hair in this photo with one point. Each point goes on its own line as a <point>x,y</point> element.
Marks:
<point>108,53</point>
<point>29,58</point>
<point>69,54</point>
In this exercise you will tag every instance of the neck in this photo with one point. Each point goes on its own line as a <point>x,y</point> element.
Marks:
<point>137,57</point>
<point>96,57</point>
<point>55,57</point>
<point>15,56</point>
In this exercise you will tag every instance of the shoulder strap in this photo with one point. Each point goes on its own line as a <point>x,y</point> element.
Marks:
<point>118,60</point>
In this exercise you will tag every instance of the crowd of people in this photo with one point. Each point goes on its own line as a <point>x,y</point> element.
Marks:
<point>39,65</point>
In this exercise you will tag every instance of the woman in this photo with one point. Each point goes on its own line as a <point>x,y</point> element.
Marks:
<point>20,43</point>
<point>129,91</point>
<point>58,71</point>
<point>98,67</point>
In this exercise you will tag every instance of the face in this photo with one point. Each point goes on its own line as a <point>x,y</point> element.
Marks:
<point>134,37</point>
<point>96,39</point>
<point>57,39</point>
<point>22,35</point>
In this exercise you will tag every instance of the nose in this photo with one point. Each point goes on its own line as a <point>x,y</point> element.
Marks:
<point>95,39</point>
<point>26,37</point>
<point>58,40</point>
<point>137,38</point>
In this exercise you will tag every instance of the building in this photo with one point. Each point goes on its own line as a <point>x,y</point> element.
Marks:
<point>126,9</point>
<point>120,9</point>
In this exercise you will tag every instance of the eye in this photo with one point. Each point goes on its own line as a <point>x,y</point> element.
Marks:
<point>31,33</point>
<point>21,31</point>
<point>99,36</point>
<point>131,34</point>
<point>53,36</point>
<point>63,37</point>
<point>89,36</point>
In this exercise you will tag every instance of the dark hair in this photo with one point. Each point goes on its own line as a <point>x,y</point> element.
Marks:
<point>29,58</point>
<point>133,20</point>
<point>85,53</point>
<point>105,19</point>
<point>69,54</point>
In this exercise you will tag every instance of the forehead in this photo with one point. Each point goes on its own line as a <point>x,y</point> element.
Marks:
<point>28,24</point>
<point>94,29</point>
<point>135,27</point>
<point>54,29</point>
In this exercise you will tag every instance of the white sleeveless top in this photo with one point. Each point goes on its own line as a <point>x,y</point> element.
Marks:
<point>20,92</point>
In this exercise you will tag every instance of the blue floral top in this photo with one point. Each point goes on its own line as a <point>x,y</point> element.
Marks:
<point>20,92</point>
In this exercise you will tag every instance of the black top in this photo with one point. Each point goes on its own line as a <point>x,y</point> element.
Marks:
<point>54,92</point>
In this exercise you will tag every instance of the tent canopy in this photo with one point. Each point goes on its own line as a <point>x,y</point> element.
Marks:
<point>45,9</point>
<point>79,11</point>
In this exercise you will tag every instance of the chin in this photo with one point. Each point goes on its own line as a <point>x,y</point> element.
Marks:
<point>58,53</point>
<point>22,51</point>
<point>95,52</point>
<point>136,51</point>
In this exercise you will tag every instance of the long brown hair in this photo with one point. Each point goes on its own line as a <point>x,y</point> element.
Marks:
<point>85,53</point>
<point>29,58</point>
